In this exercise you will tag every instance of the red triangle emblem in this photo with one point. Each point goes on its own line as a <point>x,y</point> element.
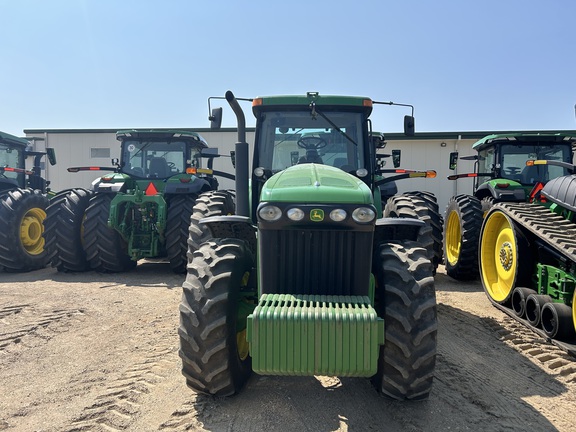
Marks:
<point>151,189</point>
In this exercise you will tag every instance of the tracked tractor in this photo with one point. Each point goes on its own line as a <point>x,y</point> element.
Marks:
<point>307,278</point>
<point>500,175</point>
<point>528,254</point>
<point>23,202</point>
<point>140,209</point>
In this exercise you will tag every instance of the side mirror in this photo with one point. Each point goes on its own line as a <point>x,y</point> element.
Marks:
<point>453,160</point>
<point>51,156</point>
<point>396,158</point>
<point>409,127</point>
<point>215,118</point>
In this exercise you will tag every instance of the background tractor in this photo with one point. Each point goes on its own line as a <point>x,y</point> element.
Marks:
<point>500,175</point>
<point>140,210</point>
<point>528,254</point>
<point>23,202</point>
<point>307,278</point>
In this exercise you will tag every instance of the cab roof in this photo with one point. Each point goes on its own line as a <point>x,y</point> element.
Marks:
<point>161,135</point>
<point>358,102</point>
<point>510,138</point>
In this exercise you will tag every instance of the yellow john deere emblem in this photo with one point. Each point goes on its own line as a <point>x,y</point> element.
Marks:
<point>317,215</point>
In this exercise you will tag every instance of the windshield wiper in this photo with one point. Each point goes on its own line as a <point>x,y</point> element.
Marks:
<point>330,122</point>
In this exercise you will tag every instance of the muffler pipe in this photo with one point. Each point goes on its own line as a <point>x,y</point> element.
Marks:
<point>519,296</point>
<point>556,320</point>
<point>534,305</point>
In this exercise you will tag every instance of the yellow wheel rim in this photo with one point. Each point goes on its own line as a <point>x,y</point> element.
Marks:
<point>498,257</point>
<point>242,344</point>
<point>31,229</point>
<point>574,309</point>
<point>453,238</point>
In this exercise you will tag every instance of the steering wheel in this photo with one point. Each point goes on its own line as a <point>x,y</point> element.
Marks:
<point>312,143</point>
<point>512,170</point>
<point>171,165</point>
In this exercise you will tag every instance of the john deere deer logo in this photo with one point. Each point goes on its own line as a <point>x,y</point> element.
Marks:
<point>317,215</point>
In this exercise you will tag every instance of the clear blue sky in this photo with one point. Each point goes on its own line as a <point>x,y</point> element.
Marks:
<point>465,65</point>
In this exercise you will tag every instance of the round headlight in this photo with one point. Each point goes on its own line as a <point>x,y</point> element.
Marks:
<point>270,213</point>
<point>295,214</point>
<point>259,172</point>
<point>338,215</point>
<point>363,214</point>
<point>362,172</point>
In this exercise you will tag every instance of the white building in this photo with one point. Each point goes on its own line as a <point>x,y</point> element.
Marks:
<point>424,151</point>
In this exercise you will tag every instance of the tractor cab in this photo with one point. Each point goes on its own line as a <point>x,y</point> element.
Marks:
<point>158,154</point>
<point>12,156</point>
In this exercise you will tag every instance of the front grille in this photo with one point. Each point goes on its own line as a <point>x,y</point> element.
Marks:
<point>322,262</point>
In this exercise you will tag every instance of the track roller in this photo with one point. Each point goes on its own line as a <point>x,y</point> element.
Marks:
<point>556,319</point>
<point>518,303</point>
<point>534,305</point>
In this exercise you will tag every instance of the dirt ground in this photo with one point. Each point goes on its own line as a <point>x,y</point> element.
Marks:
<point>98,352</point>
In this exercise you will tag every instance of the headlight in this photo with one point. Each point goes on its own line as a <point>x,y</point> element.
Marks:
<point>362,172</point>
<point>259,172</point>
<point>338,215</point>
<point>363,215</point>
<point>295,214</point>
<point>270,213</point>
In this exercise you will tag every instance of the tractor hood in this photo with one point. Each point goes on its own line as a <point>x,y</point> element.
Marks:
<point>314,183</point>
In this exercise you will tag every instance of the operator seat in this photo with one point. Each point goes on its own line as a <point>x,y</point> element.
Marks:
<point>158,168</point>
<point>312,156</point>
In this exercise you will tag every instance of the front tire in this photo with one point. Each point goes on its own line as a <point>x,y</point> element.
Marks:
<point>462,224</point>
<point>213,346</point>
<point>63,230</point>
<point>105,248</point>
<point>22,245</point>
<point>406,299</point>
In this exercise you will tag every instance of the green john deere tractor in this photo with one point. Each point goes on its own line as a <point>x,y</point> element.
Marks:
<point>528,252</point>
<point>307,278</point>
<point>23,202</point>
<point>500,175</point>
<point>140,210</point>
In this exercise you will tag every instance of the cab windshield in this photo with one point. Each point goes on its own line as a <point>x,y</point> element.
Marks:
<point>289,138</point>
<point>13,158</point>
<point>157,159</point>
<point>513,162</point>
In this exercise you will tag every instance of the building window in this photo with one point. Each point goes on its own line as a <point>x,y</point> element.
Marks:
<point>99,153</point>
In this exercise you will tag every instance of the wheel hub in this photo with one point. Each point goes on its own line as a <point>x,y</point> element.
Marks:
<point>30,231</point>
<point>506,259</point>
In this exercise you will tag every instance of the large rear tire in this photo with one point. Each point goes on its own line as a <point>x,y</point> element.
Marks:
<point>180,209</point>
<point>406,299</point>
<point>22,244</point>
<point>63,230</point>
<point>212,203</point>
<point>105,249</point>
<point>213,345</point>
<point>462,223</point>
<point>413,207</point>
<point>505,261</point>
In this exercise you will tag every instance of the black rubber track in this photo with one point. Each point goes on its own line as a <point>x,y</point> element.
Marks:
<point>15,256</point>
<point>213,203</point>
<point>105,249</point>
<point>180,209</point>
<point>406,299</point>
<point>63,230</point>
<point>413,207</point>
<point>208,318</point>
<point>469,210</point>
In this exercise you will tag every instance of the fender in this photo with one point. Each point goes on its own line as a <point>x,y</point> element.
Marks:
<point>233,226</point>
